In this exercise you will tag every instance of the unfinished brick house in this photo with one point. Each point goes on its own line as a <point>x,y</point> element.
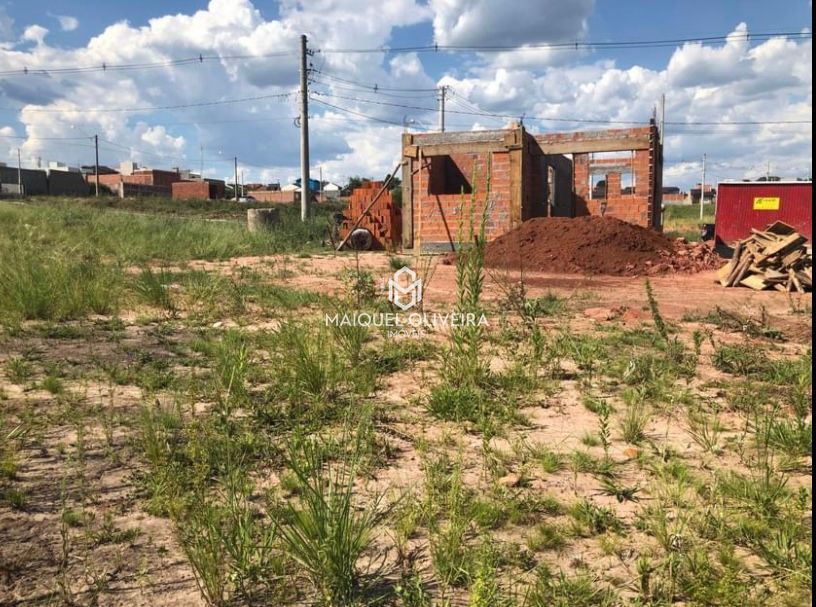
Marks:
<point>613,173</point>
<point>143,182</point>
<point>200,189</point>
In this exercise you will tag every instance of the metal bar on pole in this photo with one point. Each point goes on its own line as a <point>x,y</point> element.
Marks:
<point>96,166</point>
<point>702,188</point>
<point>19,174</point>
<point>442,92</point>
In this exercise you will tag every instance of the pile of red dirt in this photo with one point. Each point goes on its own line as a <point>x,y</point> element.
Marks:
<point>595,245</point>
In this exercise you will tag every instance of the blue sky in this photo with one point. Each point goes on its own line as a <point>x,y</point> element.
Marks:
<point>761,81</point>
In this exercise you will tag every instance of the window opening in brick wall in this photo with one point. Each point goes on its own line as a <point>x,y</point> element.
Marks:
<point>627,184</point>
<point>446,177</point>
<point>598,186</point>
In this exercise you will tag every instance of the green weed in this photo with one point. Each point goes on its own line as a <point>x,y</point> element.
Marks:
<point>563,591</point>
<point>323,530</point>
<point>589,519</point>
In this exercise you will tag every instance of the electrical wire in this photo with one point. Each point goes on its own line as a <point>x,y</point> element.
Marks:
<point>179,106</point>
<point>576,45</point>
<point>120,67</point>
<point>356,89</point>
<point>356,113</point>
<point>464,104</point>
<point>575,120</point>
<point>374,87</point>
<point>27,138</point>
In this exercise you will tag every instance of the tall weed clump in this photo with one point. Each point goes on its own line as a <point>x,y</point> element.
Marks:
<point>41,283</point>
<point>462,394</point>
<point>465,365</point>
<point>231,548</point>
<point>322,530</point>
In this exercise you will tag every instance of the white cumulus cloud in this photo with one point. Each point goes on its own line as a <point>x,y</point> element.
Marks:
<point>357,116</point>
<point>502,23</point>
<point>67,23</point>
<point>35,33</point>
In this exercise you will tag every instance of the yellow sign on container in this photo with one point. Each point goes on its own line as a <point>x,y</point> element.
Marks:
<point>766,204</point>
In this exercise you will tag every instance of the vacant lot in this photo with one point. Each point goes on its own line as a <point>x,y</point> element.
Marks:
<point>179,426</point>
<point>681,220</point>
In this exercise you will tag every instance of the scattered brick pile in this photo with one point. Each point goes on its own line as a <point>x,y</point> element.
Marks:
<point>595,245</point>
<point>384,220</point>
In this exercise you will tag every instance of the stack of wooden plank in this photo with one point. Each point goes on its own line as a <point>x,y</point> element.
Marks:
<point>774,258</point>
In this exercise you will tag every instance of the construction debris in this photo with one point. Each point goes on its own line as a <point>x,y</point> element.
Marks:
<point>777,258</point>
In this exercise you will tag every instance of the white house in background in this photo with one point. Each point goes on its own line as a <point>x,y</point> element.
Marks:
<point>331,190</point>
<point>290,187</point>
<point>128,167</point>
<point>61,166</point>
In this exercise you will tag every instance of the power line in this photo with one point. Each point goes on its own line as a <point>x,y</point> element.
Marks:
<point>356,113</point>
<point>374,87</point>
<point>429,93</point>
<point>464,104</point>
<point>120,67</point>
<point>575,45</point>
<point>27,138</point>
<point>179,106</point>
<point>717,130</point>
<point>576,120</point>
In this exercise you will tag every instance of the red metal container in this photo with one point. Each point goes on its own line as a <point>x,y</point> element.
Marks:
<point>742,205</point>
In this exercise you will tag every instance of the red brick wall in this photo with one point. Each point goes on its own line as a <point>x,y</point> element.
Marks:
<point>679,197</point>
<point>642,207</point>
<point>383,220</point>
<point>439,216</point>
<point>275,196</point>
<point>109,180</point>
<point>197,190</point>
<point>155,177</point>
<point>635,208</point>
<point>159,178</point>
<point>129,190</point>
<point>442,219</point>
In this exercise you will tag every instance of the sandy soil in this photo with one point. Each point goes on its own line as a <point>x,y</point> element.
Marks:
<point>678,294</point>
<point>38,557</point>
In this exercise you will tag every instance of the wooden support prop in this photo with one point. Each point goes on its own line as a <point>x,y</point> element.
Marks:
<point>374,200</point>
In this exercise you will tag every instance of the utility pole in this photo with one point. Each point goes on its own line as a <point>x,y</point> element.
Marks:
<point>243,189</point>
<point>304,130</point>
<point>320,196</point>
<point>442,92</point>
<point>201,162</point>
<point>19,174</point>
<point>96,165</point>
<point>702,189</point>
<point>768,172</point>
<point>235,183</point>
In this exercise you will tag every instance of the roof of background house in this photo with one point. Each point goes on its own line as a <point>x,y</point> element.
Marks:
<point>103,170</point>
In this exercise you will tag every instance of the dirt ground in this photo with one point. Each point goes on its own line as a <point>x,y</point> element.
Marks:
<point>116,554</point>
<point>678,293</point>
